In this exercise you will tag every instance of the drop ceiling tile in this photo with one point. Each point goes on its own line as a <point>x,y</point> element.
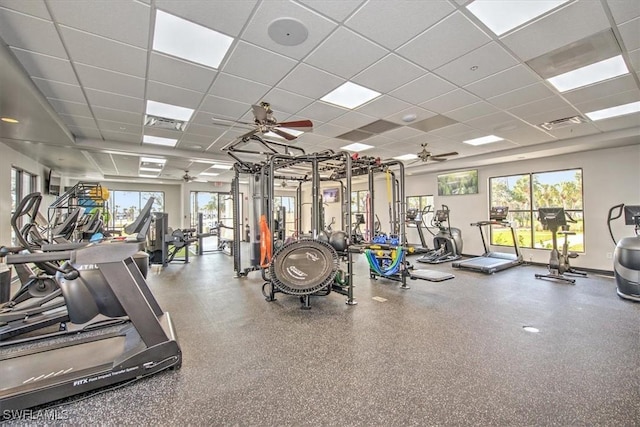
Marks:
<point>630,32</point>
<point>383,106</point>
<point>635,60</point>
<point>352,120</point>
<point>330,130</point>
<point>419,113</point>
<point>173,95</point>
<point>472,111</point>
<point>403,132</point>
<point>282,100</point>
<point>237,89</point>
<point>57,90</point>
<point>310,81</point>
<point>345,53</point>
<point>121,116</point>
<point>609,101</point>
<point>528,135</point>
<point>476,65</point>
<point>541,106</point>
<point>224,108</point>
<point>568,24</point>
<point>312,139</point>
<point>35,8</point>
<point>521,96</point>
<point>433,123</point>
<point>80,132</point>
<point>100,52</point>
<point>110,81</point>
<point>226,16</point>
<point>403,20</point>
<point>453,131</point>
<point>109,126</point>
<point>609,87</point>
<point>624,10</point>
<point>450,38</point>
<point>388,74</point>
<point>245,56</point>
<point>176,72</point>
<point>497,122</point>
<point>196,129</point>
<point>450,101</point>
<point>78,121</point>
<point>104,162</point>
<point>127,23</point>
<point>503,81</point>
<point>99,98</point>
<point>46,67</point>
<point>377,141</point>
<point>70,108</point>
<point>422,89</point>
<point>30,33</point>
<point>322,112</point>
<point>256,31</point>
<point>337,10</point>
<point>204,140</point>
<point>163,133</point>
<point>122,137</point>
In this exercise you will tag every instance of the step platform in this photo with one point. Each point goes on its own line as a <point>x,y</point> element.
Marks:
<point>430,275</point>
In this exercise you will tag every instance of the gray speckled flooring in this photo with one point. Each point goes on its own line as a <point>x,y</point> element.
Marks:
<point>447,353</point>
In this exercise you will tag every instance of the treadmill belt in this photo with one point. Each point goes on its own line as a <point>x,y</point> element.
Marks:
<point>20,371</point>
<point>431,275</point>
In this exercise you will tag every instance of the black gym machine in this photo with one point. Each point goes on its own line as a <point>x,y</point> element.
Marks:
<point>556,221</point>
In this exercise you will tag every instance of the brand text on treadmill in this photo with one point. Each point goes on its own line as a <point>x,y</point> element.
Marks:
<point>101,377</point>
<point>34,415</point>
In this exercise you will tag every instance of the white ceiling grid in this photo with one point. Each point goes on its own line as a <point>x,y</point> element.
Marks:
<point>94,64</point>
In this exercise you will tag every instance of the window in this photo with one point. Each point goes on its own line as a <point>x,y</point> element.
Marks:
<point>289,204</point>
<point>525,193</point>
<point>125,206</point>
<point>420,203</point>
<point>22,183</point>
<point>359,201</point>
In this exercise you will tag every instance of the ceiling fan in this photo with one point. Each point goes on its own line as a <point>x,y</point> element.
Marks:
<point>265,122</point>
<point>188,178</point>
<point>425,155</point>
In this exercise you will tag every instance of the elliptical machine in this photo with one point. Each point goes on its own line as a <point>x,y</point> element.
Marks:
<point>447,243</point>
<point>555,220</point>
<point>626,257</point>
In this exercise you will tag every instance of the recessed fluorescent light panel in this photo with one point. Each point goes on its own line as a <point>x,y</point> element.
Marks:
<point>168,111</point>
<point>193,42</point>
<point>350,95</point>
<point>144,175</point>
<point>221,166</point>
<point>619,110</point>
<point>505,15</point>
<point>357,146</point>
<point>156,160</point>
<point>146,169</point>
<point>406,157</point>
<point>209,174</point>
<point>157,140</point>
<point>594,73</point>
<point>484,140</point>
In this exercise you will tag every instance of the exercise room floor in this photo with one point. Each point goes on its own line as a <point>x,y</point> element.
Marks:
<point>447,353</point>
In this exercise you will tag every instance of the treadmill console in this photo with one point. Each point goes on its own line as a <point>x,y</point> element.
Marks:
<point>499,213</point>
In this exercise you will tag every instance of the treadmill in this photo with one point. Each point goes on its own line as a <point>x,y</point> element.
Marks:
<point>60,368</point>
<point>490,262</point>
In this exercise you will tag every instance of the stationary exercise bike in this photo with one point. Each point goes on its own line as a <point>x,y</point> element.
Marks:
<point>555,220</point>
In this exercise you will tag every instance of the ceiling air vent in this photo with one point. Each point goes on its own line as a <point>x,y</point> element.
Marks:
<point>561,123</point>
<point>164,123</point>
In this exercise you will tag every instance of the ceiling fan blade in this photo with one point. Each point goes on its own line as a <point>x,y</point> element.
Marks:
<point>283,134</point>
<point>259,112</point>
<point>216,119</point>
<point>453,153</point>
<point>298,124</point>
<point>438,159</point>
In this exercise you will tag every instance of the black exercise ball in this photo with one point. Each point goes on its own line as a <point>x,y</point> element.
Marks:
<point>323,237</point>
<point>339,241</point>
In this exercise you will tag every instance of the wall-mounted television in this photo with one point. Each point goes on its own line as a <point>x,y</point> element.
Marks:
<point>52,183</point>
<point>331,195</point>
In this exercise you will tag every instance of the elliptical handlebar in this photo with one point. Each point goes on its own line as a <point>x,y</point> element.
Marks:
<point>611,217</point>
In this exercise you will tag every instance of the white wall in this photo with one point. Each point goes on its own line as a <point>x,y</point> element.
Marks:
<point>610,176</point>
